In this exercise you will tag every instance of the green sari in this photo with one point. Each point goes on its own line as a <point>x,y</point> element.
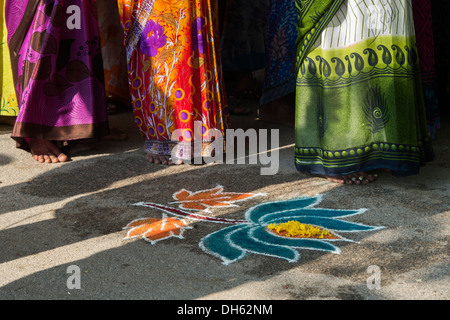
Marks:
<point>359,102</point>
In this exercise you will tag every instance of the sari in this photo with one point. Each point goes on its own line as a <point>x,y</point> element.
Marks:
<point>57,70</point>
<point>441,32</point>
<point>359,99</point>
<point>423,23</point>
<point>243,41</point>
<point>8,102</point>
<point>113,52</point>
<point>174,74</point>
<point>280,50</point>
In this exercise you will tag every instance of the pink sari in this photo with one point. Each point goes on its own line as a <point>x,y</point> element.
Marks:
<point>57,70</point>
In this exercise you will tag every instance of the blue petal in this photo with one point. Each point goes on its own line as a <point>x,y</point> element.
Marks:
<point>325,213</point>
<point>263,235</point>
<point>330,213</point>
<point>219,245</point>
<point>242,239</point>
<point>257,212</point>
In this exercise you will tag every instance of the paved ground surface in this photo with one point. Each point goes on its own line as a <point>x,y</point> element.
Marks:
<point>56,216</point>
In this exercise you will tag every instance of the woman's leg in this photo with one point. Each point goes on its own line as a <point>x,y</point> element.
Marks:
<point>58,76</point>
<point>359,103</point>
<point>174,75</point>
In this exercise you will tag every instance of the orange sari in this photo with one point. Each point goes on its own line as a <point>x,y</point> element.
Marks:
<point>174,73</point>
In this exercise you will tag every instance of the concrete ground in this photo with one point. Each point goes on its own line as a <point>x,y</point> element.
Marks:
<point>73,214</point>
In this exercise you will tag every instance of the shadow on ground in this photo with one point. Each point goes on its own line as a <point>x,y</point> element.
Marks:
<point>90,200</point>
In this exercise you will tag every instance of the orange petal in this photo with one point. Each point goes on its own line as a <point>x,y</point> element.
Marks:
<point>197,205</point>
<point>205,194</point>
<point>216,203</point>
<point>215,197</point>
<point>164,228</point>
<point>181,195</point>
<point>139,222</point>
<point>139,227</point>
<point>157,235</point>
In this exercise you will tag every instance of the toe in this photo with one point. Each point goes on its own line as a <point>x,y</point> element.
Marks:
<point>367,178</point>
<point>53,158</point>
<point>62,157</point>
<point>349,179</point>
<point>47,158</point>
<point>175,161</point>
<point>337,179</point>
<point>150,158</point>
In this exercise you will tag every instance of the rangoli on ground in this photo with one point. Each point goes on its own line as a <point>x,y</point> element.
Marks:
<point>278,228</point>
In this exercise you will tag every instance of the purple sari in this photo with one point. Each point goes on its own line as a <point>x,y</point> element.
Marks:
<point>57,71</point>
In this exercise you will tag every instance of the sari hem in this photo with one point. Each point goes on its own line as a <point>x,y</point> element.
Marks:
<point>77,132</point>
<point>181,150</point>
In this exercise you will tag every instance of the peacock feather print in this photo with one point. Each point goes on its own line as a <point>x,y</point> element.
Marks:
<point>375,108</point>
<point>322,123</point>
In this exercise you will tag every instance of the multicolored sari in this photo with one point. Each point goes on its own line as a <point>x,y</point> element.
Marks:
<point>8,102</point>
<point>57,69</point>
<point>174,73</point>
<point>359,103</point>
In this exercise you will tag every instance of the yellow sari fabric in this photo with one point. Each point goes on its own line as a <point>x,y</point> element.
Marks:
<point>8,102</point>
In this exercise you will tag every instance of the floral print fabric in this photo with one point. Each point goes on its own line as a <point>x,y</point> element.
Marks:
<point>8,102</point>
<point>174,73</point>
<point>281,51</point>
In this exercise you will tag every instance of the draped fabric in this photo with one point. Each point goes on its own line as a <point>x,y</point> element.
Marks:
<point>174,73</point>
<point>243,36</point>
<point>359,101</point>
<point>441,32</point>
<point>57,69</point>
<point>423,23</point>
<point>113,51</point>
<point>8,101</point>
<point>281,34</point>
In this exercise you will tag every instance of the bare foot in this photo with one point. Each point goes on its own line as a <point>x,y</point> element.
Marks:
<point>165,160</point>
<point>45,151</point>
<point>353,178</point>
